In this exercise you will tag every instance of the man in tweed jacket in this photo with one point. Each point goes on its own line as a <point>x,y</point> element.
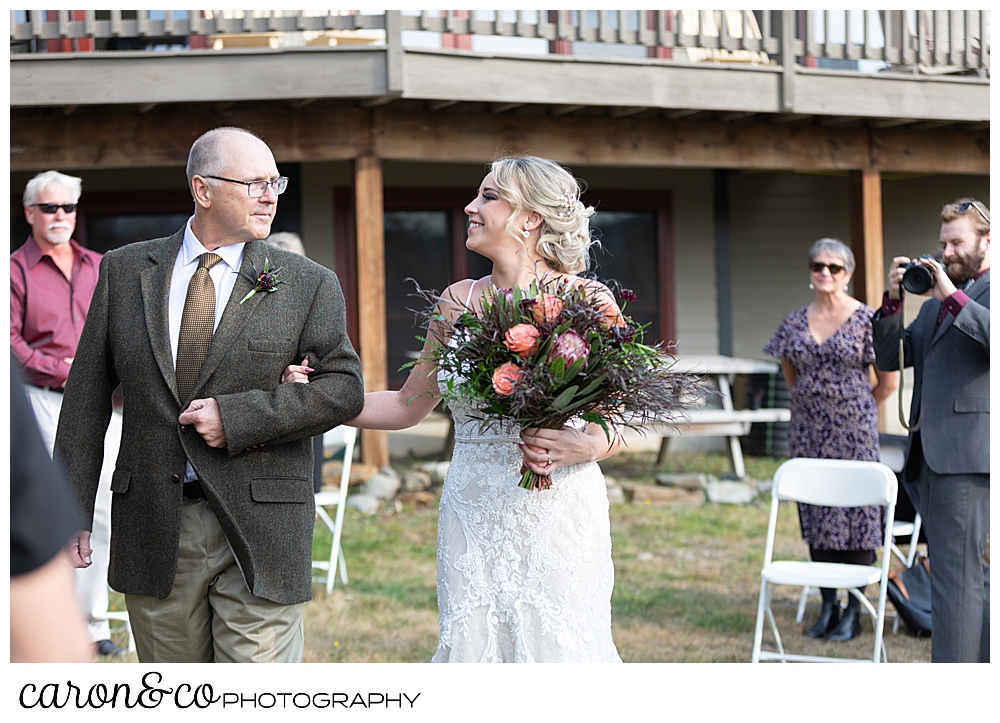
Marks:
<point>212,511</point>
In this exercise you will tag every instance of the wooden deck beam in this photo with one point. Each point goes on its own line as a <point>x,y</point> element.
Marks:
<point>325,132</point>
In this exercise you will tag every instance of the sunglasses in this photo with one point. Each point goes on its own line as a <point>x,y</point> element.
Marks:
<point>963,208</point>
<point>53,207</point>
<point>818,266</point>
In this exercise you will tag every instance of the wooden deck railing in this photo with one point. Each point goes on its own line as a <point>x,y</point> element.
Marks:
<point>919,39</point>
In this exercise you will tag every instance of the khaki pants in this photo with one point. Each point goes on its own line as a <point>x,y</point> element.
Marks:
<point>210,615</point>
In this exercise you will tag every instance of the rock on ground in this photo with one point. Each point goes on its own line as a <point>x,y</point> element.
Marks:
<point>383,485</point>
<point>420,499</point>
<point>416,480</point>
<point>366,504</point>
<point>732,493</point>
<point>689,481</point>
<point>437,470</point>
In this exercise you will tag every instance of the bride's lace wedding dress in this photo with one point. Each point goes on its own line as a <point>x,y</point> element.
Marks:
<point>523,576</point>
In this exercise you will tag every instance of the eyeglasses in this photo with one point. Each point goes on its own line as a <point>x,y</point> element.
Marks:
<point>818,266</point>
<point>256,189</point>
<point>963,208</point>
<point>53,207</point>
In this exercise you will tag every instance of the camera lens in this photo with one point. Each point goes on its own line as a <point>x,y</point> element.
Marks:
<point>917,279</point>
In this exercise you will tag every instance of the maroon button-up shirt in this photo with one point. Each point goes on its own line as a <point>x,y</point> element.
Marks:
<point>47,312</point>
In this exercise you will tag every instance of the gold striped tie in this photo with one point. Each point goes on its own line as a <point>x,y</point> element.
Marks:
<point>197,325</point>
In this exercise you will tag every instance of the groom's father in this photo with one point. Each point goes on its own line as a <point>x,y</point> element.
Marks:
<point>212,512</point>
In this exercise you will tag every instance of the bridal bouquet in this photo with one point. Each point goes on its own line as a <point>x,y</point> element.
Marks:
<point>541,356</point>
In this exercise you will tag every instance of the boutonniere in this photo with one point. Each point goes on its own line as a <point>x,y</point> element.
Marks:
<point>265,280</point>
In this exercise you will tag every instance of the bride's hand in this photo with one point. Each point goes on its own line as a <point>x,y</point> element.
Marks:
<point>297,372</point>
<point>545,450</point>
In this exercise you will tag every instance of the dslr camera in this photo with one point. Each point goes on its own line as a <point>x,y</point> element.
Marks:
<point>918,279</point>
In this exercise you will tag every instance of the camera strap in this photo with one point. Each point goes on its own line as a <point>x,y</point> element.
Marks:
<point>902,334</point>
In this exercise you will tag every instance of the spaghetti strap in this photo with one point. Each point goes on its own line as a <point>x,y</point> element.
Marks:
<point>472,287</point>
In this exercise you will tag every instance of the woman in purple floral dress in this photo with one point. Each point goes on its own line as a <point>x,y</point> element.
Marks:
<point>826,352</point>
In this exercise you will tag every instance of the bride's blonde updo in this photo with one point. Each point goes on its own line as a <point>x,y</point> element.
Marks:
<point>530,183</point>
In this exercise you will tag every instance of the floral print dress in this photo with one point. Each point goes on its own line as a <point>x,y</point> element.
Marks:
<point>834,416</point>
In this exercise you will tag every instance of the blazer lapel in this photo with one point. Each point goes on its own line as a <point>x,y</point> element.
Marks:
<point>155,282</point>
<point>980,286</point>
<point>974,292</point>
<point>236,315</point>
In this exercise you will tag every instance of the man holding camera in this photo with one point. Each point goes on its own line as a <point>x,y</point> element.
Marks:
<point>948,460</point>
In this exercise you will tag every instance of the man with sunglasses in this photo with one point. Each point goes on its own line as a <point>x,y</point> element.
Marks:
<point>948,460</point>
<point>52,280</point>
<point>213,490</point>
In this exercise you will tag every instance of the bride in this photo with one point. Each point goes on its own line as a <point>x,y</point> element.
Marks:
<point>523,576</point>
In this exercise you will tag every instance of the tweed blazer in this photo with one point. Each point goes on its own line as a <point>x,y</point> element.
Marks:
<point>260,485</point>
<point>951,379</point>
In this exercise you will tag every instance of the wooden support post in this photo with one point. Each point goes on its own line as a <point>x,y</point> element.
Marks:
<point>866,234</point>
<point>371,293</point>
<point>865,191</point>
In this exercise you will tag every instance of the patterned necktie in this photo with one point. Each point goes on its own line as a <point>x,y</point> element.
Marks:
<point>197,325</point>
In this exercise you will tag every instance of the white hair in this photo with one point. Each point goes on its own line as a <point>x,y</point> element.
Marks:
<point>287,240</point>
<point>837,248</point>
<point>37,184</point>
<point>543,186</point>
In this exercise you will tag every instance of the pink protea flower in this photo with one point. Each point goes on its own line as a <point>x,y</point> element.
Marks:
<point>522,339</point>
<point>505,377</point>
<point>570,347</point>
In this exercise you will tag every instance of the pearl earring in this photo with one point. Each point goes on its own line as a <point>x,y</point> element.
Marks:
<point>525,233</point>
<point>845,287</point>
<point>811,286</point>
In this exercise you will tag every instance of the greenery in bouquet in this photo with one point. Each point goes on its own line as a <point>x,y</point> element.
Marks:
<point>541,356</point>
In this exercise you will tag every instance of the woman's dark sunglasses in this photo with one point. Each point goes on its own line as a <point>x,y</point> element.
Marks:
<point>818,267</point>
<point>53,207</point>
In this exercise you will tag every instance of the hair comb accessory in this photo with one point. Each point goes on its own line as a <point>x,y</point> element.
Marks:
<point>567,203</point>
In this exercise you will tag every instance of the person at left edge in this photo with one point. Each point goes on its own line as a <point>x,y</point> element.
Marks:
<point>52,280</point>
<point>212,512</point>
<point>46,624</point>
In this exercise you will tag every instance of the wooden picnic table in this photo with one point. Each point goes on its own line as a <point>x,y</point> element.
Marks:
<point>725,420</point>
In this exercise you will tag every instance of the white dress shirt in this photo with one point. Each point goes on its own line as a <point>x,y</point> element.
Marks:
<point>223,274</point>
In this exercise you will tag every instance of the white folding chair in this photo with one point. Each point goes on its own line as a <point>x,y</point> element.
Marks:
<point>830,483</point>
<point>123,617</point>
<point>348,437</point>
<point>893,457</point>
<point>806,592</point>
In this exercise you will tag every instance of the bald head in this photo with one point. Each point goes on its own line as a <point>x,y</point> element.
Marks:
<point>219,149</point>
<point>228,169</point>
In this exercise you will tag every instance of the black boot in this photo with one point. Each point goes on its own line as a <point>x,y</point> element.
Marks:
<point>850,626</point>
<point>828,619</point>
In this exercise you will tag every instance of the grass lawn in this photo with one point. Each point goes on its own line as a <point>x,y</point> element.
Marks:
<point>686,582</point>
